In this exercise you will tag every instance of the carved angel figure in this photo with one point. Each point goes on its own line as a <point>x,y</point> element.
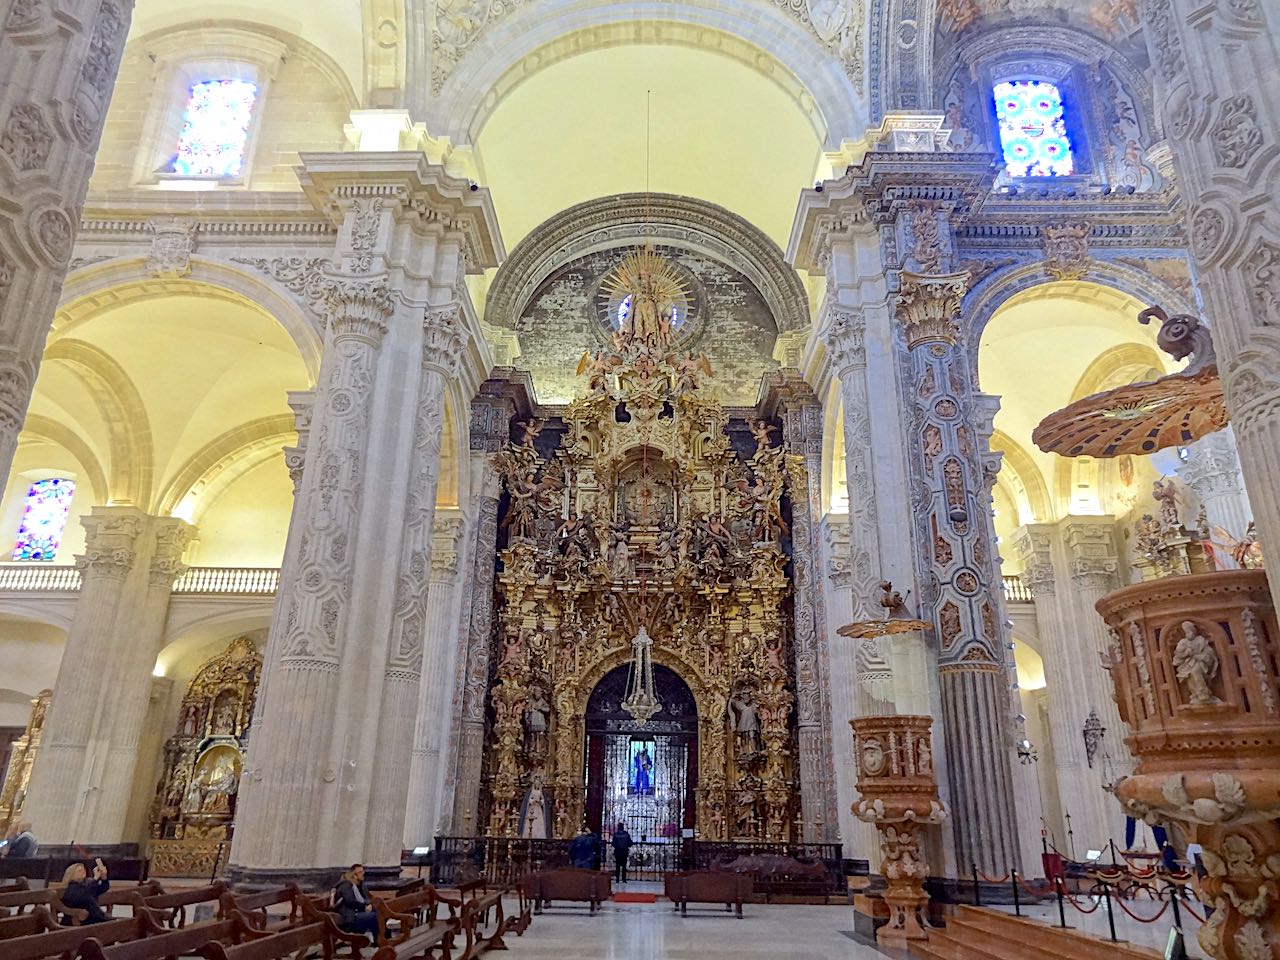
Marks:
<point>527,498</point>
<point>763,432</point>
<point>1196,663</point>
<point>1165,493</point>
<point>598,366</point>
<point>687,369</point>
<point>529,430</point>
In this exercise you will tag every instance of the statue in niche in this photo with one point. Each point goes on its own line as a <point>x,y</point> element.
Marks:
<point>745,720</point>
<point>190,723</point>
<point>528,499</point>
<point>535,814</point>
<point>763,432</point>
<point>1195,663</point>
<point>223,720</point>
<point>536,715</point>
<point>621,565</point>
<point>664,561</point>
<point>763,501</point>
<point>1165,493</point>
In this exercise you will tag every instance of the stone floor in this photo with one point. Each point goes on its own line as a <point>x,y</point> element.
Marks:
<point>633,931</point>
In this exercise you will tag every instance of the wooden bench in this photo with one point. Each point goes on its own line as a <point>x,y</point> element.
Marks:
<point>20,901</point>
<point>68,940</point>
<point>569,883</point>
<point>708,886</point>
<point>295,941</point>
<point>252,907</point>
<point>174,943</point>
<point>422,930</point>
<point>17,886</point>
<point>131,897</point>
<point>173,906</point>
<point>38,920</point>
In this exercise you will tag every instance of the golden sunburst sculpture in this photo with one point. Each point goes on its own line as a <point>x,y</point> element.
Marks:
<point>656,290</point>
<point>1141,418</point>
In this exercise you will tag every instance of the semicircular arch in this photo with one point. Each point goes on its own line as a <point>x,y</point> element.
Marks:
<point>46,429</point>
<point>214,467</point>
<point>118,282</point>
<point>1031,487</point>
<point>681,222</point>
<point>770,42</point>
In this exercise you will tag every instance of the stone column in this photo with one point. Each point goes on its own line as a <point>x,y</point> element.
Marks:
<point>1212,471</point>
<point>82,782</point>
<point>1067,662</point>
<point>58,65</point>
<point>327,775</point>
<point>443,336</point>
<point>965,609</point>
<point>439,663</point>
<point>490,429</point>
<point>1215,64</point>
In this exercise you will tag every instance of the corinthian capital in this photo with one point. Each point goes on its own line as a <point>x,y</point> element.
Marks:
<point>16,376</point>
<point>172,538</point>
<point>358,308</point>
<point>110,541</point>
<point>443,337</point>
<point>844,340</point>
<point>928,306</point>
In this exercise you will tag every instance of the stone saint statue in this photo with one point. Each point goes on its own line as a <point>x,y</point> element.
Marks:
<point>535,715</point>
<point>533,816</point>
<point>1196,663</point>
<point>745,721</point>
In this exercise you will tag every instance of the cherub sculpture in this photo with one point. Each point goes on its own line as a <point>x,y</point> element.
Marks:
<point>687,369</point>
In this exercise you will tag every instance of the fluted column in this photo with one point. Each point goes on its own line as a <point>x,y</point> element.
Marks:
<point>443,338</point>
<point>1213,473</point>
<point>82,782</point>
<point>440,648</point>
<point>58,65</point>
<point>1215,63</point>
<point>490,429</point>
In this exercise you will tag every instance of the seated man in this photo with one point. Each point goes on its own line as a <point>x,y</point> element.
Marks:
<point>355,909</point>
<point>19,841</point>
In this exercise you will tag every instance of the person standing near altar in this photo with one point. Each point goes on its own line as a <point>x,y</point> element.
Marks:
<point>621,852</point>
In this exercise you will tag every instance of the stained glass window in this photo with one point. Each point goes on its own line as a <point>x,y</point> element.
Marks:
<point>215,129</point>
<point>44,519</point>
<point>1033,132</point>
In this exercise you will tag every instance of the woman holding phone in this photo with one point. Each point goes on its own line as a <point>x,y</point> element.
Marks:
<point>83,891</point>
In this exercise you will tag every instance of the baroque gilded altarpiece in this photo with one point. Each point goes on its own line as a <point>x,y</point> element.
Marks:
<point>646,503</point>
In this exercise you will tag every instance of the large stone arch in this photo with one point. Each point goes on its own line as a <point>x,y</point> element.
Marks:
<point>1035,493</point>
<point>498,55</point>
<point>37,428</point>
<point>117,282</point>
<point>217,464</point>
<point>681,222</point>
<point>123,411</point>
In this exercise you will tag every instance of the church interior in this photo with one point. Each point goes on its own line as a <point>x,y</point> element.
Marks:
<point>821,454</point>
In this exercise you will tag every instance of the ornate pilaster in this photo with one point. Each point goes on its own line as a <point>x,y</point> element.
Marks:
<point>303,403</point>
<point>1213,473</point>
<point>443,337</point>
<point>491,415</point>
<point>802,435</point>
<point>83,780</point>
<point>60,69</point>
<point>1212,61</point>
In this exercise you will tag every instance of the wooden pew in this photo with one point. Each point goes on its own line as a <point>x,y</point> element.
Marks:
<point>569,883</point>
<point>421,928</point>
<point>296,940</point>
<point>68,940</point>
<point>479,900</point>
<point>252,907</point>
<point>174,905</point>
<point>318,910</point>
<point>175,943</point>
<point>39,920</point>
<point>17,886</point>
<point>709,886</point>
<point>132,897</point>
<point>21,900</point>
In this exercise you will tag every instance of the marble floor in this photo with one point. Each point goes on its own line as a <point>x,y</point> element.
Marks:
<point>634,931</point>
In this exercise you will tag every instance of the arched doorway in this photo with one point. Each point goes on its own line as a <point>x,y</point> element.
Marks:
<point>643,776</point>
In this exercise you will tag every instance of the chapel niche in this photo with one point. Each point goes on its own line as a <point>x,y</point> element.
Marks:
<point>195,801</point>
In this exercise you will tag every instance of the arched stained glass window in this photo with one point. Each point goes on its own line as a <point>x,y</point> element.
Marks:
<point>1033,132</point>
<point>215,128</point>
<point>44,519</point>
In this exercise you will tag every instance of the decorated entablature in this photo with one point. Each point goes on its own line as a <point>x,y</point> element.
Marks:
<point>645,504</point>
<point>196,796</point>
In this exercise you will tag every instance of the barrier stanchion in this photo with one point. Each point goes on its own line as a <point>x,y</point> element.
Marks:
<point>1111,917</point>
<point>977,890</point>
<point>1173,899</point>
<point>1062,907</point>
<point>1017,902</point>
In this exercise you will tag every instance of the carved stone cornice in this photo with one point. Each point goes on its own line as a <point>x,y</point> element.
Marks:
<point>680,222</point>
<point>411,189</point>
<point>507,394</point>
<point>928,307</point>
<point>443,337</point>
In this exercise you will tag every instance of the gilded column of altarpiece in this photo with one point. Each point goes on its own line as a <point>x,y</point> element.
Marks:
<point>646,504</point>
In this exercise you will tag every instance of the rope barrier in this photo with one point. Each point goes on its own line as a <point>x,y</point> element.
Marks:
<point>1186,905</point>
<point>987,879</point>
<point>1159,913</point>
<point>1072,900</point>
<point>1044,891</point>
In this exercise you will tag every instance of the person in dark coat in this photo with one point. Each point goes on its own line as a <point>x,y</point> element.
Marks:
<point>582,850</point>
<point>355,907</point>
<point>83,891</point>
<point>621,851</point>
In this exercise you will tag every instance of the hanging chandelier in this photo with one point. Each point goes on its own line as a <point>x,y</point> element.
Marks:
<point>641,702</point>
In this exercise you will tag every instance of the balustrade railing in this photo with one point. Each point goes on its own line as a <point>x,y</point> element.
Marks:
<point>1015,591</point>
<point>205,581</point>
